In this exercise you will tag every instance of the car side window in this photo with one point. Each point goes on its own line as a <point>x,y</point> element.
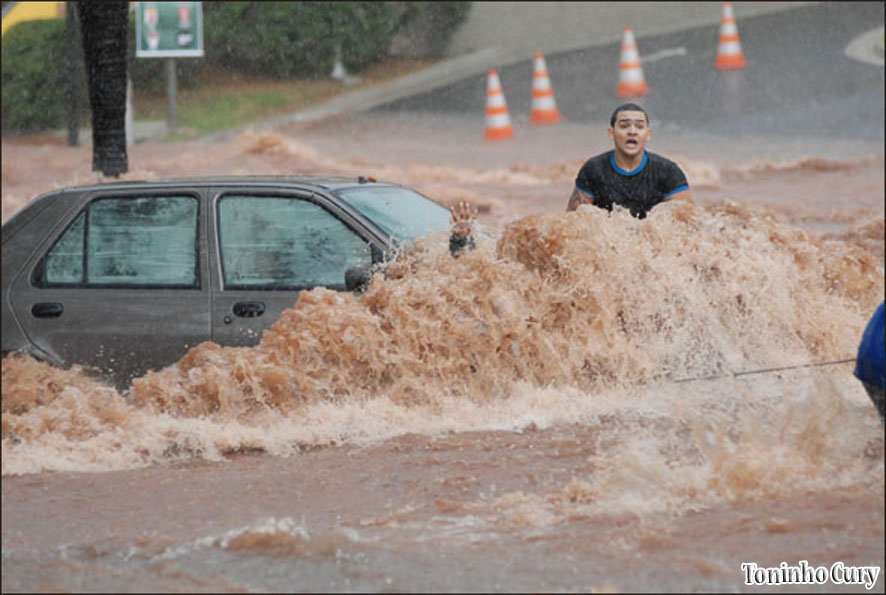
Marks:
<point>284,242</point>
<point>145,241</point>
<point>64,263</point>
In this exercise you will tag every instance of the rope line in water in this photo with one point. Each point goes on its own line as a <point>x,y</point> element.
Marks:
<point>766,370</point>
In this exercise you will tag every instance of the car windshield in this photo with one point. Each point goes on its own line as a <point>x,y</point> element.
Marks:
<point>402,213</point>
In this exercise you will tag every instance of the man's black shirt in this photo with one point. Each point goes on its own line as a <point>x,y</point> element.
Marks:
<point>652,182</point>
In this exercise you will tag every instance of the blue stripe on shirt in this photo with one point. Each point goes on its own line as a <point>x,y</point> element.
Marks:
<point>585,192</point>
<point>625,172</point>
<point>677,189</point>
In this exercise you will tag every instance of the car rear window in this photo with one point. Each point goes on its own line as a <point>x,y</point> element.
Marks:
<point>142,241</point>
<point>400,212</point>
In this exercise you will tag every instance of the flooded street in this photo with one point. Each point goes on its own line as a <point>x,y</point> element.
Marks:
<point>586,402</point>
<point>564,458</point>
<point>509,511</point>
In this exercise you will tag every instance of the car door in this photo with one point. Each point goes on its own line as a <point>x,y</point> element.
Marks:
<point>123,287</point>
<point>271,245</point>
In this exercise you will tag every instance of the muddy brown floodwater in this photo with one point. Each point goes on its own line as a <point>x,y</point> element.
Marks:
<point>556,410</point>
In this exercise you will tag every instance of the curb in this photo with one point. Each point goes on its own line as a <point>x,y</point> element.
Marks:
<point>439,75</point>
<point>142,131</point>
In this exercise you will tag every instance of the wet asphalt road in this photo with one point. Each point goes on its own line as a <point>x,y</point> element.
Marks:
<point>798,82</point>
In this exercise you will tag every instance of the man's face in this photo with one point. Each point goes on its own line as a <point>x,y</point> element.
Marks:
<point>630,133</point>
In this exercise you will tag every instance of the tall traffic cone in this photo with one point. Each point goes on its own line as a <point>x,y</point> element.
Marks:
<point>498,122</point>
<point>544,108</point>
<point>729,54</point>
<point>631,81</point>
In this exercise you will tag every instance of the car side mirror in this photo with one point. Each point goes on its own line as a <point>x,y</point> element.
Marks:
<point>357,278</point>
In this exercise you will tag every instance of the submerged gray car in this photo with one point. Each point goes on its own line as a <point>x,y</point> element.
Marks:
<point>126,277</point>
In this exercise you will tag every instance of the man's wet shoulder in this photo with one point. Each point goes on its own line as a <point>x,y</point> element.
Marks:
<point>597,162</point>
<point>660,160</point>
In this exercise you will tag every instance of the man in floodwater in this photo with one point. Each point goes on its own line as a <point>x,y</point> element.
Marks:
<point>869,366</point>
<point>629,175</point>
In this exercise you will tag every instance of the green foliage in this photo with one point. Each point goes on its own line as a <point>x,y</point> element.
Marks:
<point>436,21</point>
<point>364,30</point>
<point>274,39</point>
<point>35,77</point>
<point>298,39</point>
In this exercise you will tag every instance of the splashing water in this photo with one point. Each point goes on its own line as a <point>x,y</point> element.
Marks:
<point>560,319</point>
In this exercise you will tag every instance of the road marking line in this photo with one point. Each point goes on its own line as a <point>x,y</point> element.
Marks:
<point>867,47</point>
<point>667,53</point>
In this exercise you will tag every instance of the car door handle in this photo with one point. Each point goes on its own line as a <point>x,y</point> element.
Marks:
<point>249,309</point>
<point>47,310</point>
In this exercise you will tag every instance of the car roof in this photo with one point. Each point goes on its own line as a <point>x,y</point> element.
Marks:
<point>326,182</point>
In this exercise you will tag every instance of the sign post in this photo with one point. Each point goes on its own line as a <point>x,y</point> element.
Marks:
<point>169,30</point>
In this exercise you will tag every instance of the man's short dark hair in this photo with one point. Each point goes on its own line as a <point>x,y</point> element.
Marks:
<point>627,107</point>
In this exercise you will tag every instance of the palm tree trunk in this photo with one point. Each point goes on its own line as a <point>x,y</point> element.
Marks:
<point>104,27</point>
<point>74,60</point>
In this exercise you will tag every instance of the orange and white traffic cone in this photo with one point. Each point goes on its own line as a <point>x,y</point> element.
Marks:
<point>729,54</point>
<point>498,122</point>
<point>544,107</point>
<point>631,82</point>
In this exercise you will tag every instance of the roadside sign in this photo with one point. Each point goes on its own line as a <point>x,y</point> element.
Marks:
<point>168,29</point>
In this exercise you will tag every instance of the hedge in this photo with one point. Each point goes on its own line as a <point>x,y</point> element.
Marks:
<point>273,39</point>
<point>35,77</point>
<point>283,39</point>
